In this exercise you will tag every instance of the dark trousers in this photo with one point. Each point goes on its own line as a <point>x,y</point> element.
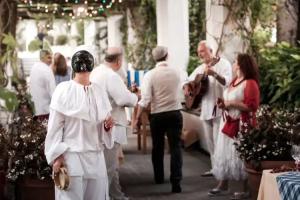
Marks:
<point>170,123</point>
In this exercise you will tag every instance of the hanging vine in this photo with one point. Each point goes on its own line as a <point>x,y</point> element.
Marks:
<point>246,15</point>
<point>143,23</point>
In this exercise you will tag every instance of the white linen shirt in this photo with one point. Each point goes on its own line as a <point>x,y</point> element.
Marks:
<point>119,97</point>
<point>215,89</point>
<point>161,87</point>
<point>41,86</point>
<point>76,120</point>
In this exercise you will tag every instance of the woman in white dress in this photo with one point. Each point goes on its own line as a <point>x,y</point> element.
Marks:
<point>79,124</point>
<point>241,100</point>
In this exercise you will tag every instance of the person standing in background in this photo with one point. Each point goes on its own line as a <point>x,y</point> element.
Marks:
<point>219,76</point>
<point>42,84</point>
<point>60,68</point>
<point>107,77</point>
<point>160,88</point>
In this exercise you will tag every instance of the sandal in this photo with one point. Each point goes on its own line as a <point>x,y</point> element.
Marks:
<point>218,192</point>
<point>240,195</point>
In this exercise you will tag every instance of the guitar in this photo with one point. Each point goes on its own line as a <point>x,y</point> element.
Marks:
<point>198,87</point>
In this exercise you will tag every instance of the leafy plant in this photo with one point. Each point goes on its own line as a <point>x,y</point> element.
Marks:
<point>25,148</point>
<point>61,40</point>
<point>197,20</point>
<point>194,62</point>
<point>280,75</point>
<point>139,53</point>
<point>270,139</point>
<point>35,45</point>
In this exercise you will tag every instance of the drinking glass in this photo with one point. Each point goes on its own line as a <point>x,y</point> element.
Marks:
<point>295,152</point>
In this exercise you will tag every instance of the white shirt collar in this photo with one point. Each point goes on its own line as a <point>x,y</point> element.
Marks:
<point>162,63</point>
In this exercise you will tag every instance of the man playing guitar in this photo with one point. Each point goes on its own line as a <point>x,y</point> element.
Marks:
<point>219,76</point>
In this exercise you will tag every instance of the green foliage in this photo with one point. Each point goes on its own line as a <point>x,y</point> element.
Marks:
<point>194,62</point>
<point>280,75</point>
<point>196,23</point>
<point>9,98</point>
<point>143,19</point>
<point>61,40</point>
<point>35,45</point>
<point>80,28</point>
<point>270,139</point>
<point>24,143</point>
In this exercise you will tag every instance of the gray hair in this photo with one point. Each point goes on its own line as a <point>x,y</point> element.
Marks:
<point>204,42</point>
<point>44,53</point>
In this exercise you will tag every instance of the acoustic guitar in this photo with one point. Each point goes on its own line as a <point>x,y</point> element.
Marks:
<point>198,87</point>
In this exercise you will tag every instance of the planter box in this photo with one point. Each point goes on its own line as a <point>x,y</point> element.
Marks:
<point>35,189</point>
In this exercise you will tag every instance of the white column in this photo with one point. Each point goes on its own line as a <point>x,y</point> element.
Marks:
<point>232,42</point>
<point>114,34</point>
<point>114,37</point>
<point>173,30</point>
<point>90,30</point>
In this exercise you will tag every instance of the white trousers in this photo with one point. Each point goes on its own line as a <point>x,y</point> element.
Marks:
<point>211,130</point>
<point>84,189</point>
<point>112,165</point>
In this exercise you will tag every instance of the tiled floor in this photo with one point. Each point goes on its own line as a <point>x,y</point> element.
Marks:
<point>137,181</point>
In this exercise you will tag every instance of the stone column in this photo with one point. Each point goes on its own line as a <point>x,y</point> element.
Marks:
<point>114,37</point>
<point>173,30</point>
<point>231,42</point>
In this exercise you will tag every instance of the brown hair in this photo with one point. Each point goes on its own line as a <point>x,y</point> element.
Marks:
<point>60,65</point>
<point>248,66</point>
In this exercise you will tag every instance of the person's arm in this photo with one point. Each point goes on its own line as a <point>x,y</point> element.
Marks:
<point>186,89</point>
<point>146,96</point>
<point>54,145</point>
<point>51,84</point>
<point>119,92</point>
<point>224,76</point>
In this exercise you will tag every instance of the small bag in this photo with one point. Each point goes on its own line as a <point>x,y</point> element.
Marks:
<point>231,127</point>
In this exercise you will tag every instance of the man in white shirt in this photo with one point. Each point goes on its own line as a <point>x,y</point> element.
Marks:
<point>161,88</point>
<point>106,76</point>
<point>219,76</point>
<point>42,84</point>
<point>79,125</point>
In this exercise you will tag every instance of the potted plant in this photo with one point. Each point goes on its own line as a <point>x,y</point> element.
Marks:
<point>27,168</point>
<point>268,145</point>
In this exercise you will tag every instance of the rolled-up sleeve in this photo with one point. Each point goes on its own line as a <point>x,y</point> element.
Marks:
<point>146,93</point>
<point>54,145</point>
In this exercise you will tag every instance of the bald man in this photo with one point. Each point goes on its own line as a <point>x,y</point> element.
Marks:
<point>120,97</point>
<point>219,76</point>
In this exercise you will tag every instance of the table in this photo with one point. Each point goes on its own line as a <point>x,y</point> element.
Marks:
<point>268,189</point>
<point>279,186</point>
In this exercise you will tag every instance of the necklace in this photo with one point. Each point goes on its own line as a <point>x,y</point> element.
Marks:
<point>234,85</point>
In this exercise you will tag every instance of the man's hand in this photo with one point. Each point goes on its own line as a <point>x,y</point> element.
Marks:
<point>58,163</point>
<point>186,90</point>
<point>209,71</point>
<point>220,103</point>
<point>108,123</point>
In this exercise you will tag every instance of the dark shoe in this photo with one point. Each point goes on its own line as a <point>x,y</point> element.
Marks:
<point>159,181</point>
<point>176,188</point>
<point>218,192</point>
<point>207,174</point>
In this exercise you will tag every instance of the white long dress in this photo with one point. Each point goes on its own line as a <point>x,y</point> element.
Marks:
<point>228,165</point>
<point>75,130</point>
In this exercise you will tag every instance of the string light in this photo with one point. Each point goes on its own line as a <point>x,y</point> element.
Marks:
<point>90,9</point>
